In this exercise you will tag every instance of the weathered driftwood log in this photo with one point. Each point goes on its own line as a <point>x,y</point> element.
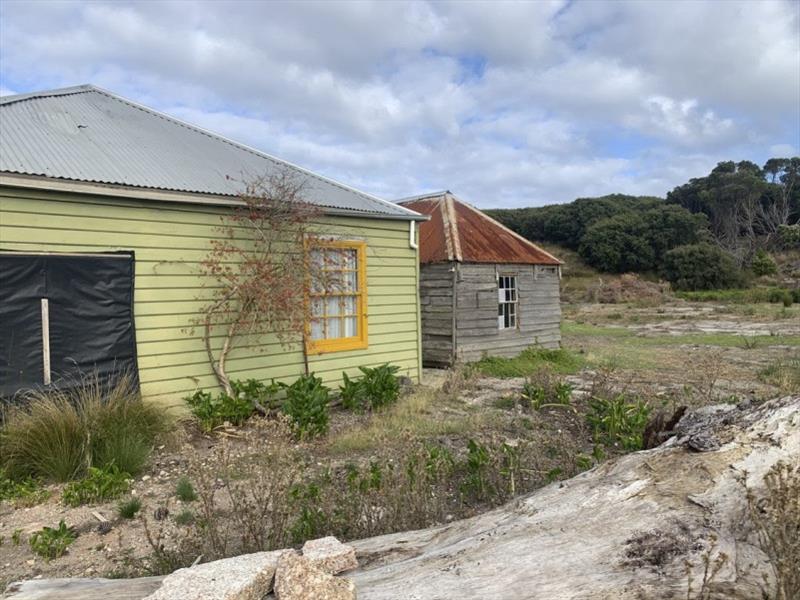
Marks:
<point>624,530</point>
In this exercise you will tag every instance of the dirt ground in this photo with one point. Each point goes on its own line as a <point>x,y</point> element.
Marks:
<point>681,352</point>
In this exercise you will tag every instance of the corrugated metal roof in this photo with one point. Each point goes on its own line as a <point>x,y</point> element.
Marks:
<point>88,134</point>
<point>460,232</point>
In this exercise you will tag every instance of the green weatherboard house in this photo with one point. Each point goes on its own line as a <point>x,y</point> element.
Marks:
<point>106,210</point>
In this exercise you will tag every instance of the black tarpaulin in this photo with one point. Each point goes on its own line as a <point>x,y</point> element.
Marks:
<point>89,315</point>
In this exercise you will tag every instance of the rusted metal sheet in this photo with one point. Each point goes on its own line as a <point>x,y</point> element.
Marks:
<point>461,233</point>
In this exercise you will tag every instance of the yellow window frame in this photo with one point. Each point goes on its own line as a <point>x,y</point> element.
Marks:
<point>360,340</point>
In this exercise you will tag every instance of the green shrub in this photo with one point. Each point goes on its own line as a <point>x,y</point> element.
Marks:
<point>128,509</point>
<point>101,484</point>
<point>763,264</point>
<point>56,434</point>
<point>184,490</point>
<point>700,267</point>
<point>51,543</point>
<point>306,404</point>
<point>26,491</point>
<point>789,236</point>
<point>618,421</point>
<point>378,386</point>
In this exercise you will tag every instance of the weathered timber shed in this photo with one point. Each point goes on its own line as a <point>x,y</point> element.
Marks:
<point>107,210</point>
<point>483,288</point>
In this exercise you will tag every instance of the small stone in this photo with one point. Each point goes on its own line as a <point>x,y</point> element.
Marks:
<point>298,579</point>
<point>330,555</point>
<point>146,478</point>
<point>246,577</point>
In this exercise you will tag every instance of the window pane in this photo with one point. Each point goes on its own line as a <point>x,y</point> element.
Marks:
<point>350,304</point>
<point>350,326</point>
<point>317,332</point>
<point>317,307</point>
<point>332,306</point>
<point>350,281</point>
<point>334,258</point>
<point>350,259</point>
<point>334,328</point>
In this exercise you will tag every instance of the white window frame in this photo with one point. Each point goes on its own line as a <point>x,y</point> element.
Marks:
<point>507,302</point>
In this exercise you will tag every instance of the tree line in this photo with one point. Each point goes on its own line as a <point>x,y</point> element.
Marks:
<point>707,233</point>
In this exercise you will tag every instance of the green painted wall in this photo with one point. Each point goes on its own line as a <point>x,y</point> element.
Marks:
<point>170,240</point>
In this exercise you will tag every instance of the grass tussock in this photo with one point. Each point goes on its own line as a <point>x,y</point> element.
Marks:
<point>530,361</point>
<point>58,434</point>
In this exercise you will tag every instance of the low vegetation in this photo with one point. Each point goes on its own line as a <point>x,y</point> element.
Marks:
<point>99,485</point>
<point>25,491</point>
<point>59,434</point>
<point>529,361</point>
<point>52,542</point>
<point>128,509</point>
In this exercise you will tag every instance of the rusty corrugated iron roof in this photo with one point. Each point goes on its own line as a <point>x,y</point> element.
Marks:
<point>460,232</point>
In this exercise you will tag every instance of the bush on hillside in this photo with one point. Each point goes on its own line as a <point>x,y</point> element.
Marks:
<point>763,264</point>
<point>637,241</point>
<point>700,267</point>
<point>58,434</point>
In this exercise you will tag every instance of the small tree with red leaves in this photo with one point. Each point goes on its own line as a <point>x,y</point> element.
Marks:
<point>259,271</point>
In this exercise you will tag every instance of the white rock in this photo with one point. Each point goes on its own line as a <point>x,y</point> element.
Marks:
<point>246,577</point>
<point>330,555</point>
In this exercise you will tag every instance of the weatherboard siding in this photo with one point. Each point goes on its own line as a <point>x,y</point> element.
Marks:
<point>169,241</point>
<point>476,330</point>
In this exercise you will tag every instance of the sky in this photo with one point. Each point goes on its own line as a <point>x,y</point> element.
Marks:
<point>505,104</point>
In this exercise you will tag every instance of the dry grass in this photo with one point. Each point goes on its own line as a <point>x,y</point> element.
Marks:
<point>425,413</point>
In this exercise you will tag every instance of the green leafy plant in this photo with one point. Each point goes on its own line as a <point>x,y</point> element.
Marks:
<point>213,411</point>
<point>184,490</point>
<point>52,542</point>
<point>101,484</point>
<point>16,537</point>
<point>311,518</point>
<point>127,509</point>
<point>475,481</point>
<point>25,491</point>
<point>306,404</point>
<point>261,396</point>
<point>618,421</point>
<point>353,394</point>
<point>378,386</point>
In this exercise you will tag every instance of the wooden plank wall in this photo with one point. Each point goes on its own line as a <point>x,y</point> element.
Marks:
<point>436,309</point>
<point>539,311</point>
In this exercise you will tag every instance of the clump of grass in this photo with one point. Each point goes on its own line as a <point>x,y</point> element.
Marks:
<point>185,517</point>
<point>52,542</point>
<point>529,361</point>
<point>127,509</point>
<point>783,373</point>
<point>184,490</point>
<point>97,486</point>
<point>57,434</point>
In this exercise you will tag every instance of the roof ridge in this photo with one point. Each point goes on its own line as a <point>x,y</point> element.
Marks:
<point>408,199</point>
<point>246,148</point>
<point>65,91</point>
<point>452,220</point>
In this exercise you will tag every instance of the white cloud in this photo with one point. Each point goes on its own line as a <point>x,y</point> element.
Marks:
<point>505,103</point>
